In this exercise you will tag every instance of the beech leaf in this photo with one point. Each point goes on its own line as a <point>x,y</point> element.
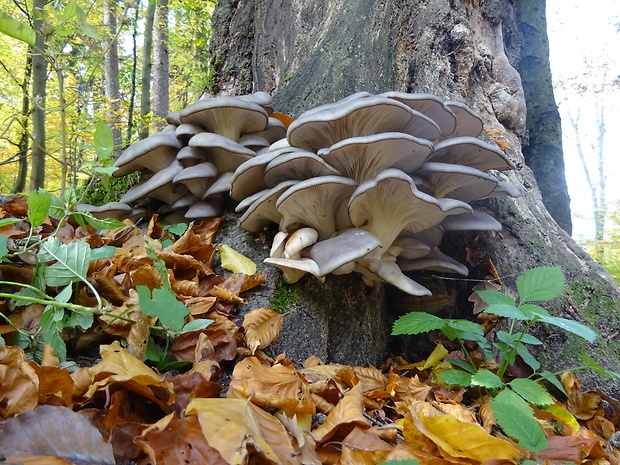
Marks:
<point>236,262</point>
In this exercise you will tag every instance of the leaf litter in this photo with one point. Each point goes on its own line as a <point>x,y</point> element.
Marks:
<point>148,398</point>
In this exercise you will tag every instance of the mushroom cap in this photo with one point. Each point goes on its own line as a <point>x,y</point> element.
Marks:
<point>469,151</point>
<point>262,211</point>
<point>429,105</point>
<point>504,189</point>
<point>173,118</point>
<point>375,269</point>
<point>254,142</point>
<point>115,210</point>
<point>314,203</point>
<point>263,99</point>
<point>185,132</point>
<point>154,153</point>
<point>227,116</point>
<point>190,156</point>
<point>299,240</point>
<point>347,247</point>
<point>468,122</point>
<point>197,178</point>
<point>409,247</point>
<point>474,221</point>
<point>275,130</point>
<point>361,158</point>
<point>221,185</point>
<point>390,202</point>
<point>457,181</point>
<point>203,209</point>
<point>365,116</point>
<point>299,164</point>
<point>294,269</point>
<point>184,202</point>
<point>159,186</point>
<point>226,154</point>
<point>436,260</point>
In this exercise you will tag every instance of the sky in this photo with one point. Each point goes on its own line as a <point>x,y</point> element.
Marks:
<point>586,31</point>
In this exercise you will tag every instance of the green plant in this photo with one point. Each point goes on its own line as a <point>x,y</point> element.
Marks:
<point>512,398</point>
<point>60,268</point>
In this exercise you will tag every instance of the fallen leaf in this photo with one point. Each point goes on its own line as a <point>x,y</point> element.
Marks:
<point>348,414</point>
<point>236,262</point>
<point>262,327</point>
<point>19,384</point>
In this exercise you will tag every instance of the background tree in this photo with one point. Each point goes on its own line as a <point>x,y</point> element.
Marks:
<point>111,70</point>
<point>161,65</point>
<point>39,93</point>
<point>454,49</point>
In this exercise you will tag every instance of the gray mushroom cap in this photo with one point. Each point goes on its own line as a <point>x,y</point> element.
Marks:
<point>361,158</point>
<point>429,105</point>
<point>355,118</point>
<point>173,118</point>
<point>390,202</point>
<point>375,269</point>
<point>299,164</point>
<point>203,209</point>
<point>474,221</point>
<point>468,122</point>
<point>263,99</point>
<point>159,186</point>
<point>457,181</point>
<point>220,186</point>
<point>469,151</point>
<point>262,211</point>
<point>154,153</point>
<point>275,130</point>
<point>314,203</point>
<point>226,116</point>
<point>115,210</point>
<point>337,251</point>
<point>226,154</point>
<point>197,178</point>
<point>436,260</point>
<point>185,132</point>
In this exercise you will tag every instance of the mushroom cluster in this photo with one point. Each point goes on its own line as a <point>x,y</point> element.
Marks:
<point>188,165</point>
<point>369,184</point>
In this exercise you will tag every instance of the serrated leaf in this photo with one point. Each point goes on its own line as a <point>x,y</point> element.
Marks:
<point>51,327</point>
<point>103,140</point>
<point>571,326</point>
<point>196,325</point>
<point>516,418</point>
<point>462,364</point>
<point>108,170</point>
<point>57,209</point>
<point>527,357</point>
<point>177,229</point>
<point>509,339</point>
<point>487,379</point>
<point>463,329</point>
<point>39,203</point>
<point>16,29</point>
<point>532,311</point>
<point>80,318</point>
<point>72,261</point>
<point>553,379</point>
<point>598,368</point>
<point>531,391</point>
<point>507,311</point>
<point>495,297</point>
<point>236,262</point>
<point>458,377</point>
<point>417,323</point>
<point>542,283</point>
<point>164,305</point>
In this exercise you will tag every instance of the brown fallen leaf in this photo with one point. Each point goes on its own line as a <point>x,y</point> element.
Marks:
<point>347,414</point>
<point>19,383</point>
<point>262,327</point>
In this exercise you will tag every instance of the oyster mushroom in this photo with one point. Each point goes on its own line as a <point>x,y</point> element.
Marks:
<point>154,153</point>
<point>469,151</point>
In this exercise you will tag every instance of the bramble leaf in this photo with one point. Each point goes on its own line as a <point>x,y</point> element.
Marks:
<point>531,391</point>
<point>417,323</point>
<point>571,326</point>
<point>458,377</point>
<point>495,297</point>
<point>487,379</point>
<point>599,369</point>
<point>542,283</point>
<point>507,311</point>
<point>516,418</point>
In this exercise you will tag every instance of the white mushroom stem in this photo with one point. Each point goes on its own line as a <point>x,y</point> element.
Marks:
<point>299,240</point>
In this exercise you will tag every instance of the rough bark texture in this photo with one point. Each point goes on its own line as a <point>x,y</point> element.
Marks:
<point>39,93</point>
<point>543,154</point>
<point>161,63</point>
<point>311,52</point>
<point>110,72</point>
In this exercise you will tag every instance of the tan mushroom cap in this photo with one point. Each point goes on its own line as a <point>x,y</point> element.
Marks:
<point>154,153</point>
<point>314,203</point>
<point>227,116</point>
<point>365,116</point>
<point>114,210</point>
<point>159,186</point>
<point>262,211</point>
<point>474,221</point>
<point>296,165</point>
<point>429,105</point>
<point>457,181</point>
<point>468,122</point>
<point>469,151</point>
<point>361,158</point>
<point>225,154</point>
<point>436,260</point>
<point>197,178</point>
<point>390,203</point>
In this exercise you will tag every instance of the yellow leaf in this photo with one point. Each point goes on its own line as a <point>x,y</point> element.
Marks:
<point>562,414</point>
<point>348,413</point>
<point>460,439</point>
<point>236,262</point>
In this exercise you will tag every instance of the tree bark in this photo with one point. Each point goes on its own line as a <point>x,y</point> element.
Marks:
<point>147,66</point>
<point>39,79</point>
<point>311,52</point>
<point>110,74</point>
<point>161,64</point>
<point>24,141</point>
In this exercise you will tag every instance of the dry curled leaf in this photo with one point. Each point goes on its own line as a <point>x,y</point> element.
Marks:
<point>262,327</point>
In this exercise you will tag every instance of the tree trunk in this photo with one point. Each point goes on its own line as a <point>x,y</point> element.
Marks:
<point>160,62</point>
<point>311,52</point>
<point>39,79</point>
<point>110,73</point>
<point>24,140</point>
<point>147,66</point>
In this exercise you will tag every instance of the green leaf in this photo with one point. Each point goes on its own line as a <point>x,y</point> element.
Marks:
<point>516,418</point>
<point>527,357</point>
<point>462,364</point>
<point>532,340</point>
<point>72,261</point>
<point>236,262</point>
<point>177,229</point>
<point>39,203</point>
<point>164,305</point>
<point>105,251</point>
<point>507,311</point>
<point>57,210</point>
<point>96,223</point>
<point>80,318</point>
<point>51,327</point>
<point>509,339</point>
<point>85,27</point>
<point>8,221</point>
<point>104,140</point>
<point>463,329</point>
<point>487,379</point>
<point>3,248</point>
<point>532,311</point>
<point>417,323</point>
<point>107,170</point>
<point>571,326</point>
<point>599,369</point>
<point>196,325</point>
<point>553,379</point>
<point>458,377</point>
<point>531,391</point>
<point>542,283</point>
<point>495,297</point>
<point>17,29</point>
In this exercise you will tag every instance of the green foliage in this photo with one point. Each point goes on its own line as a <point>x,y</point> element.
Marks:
<point>512,399</point>
<point>607,250</point>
